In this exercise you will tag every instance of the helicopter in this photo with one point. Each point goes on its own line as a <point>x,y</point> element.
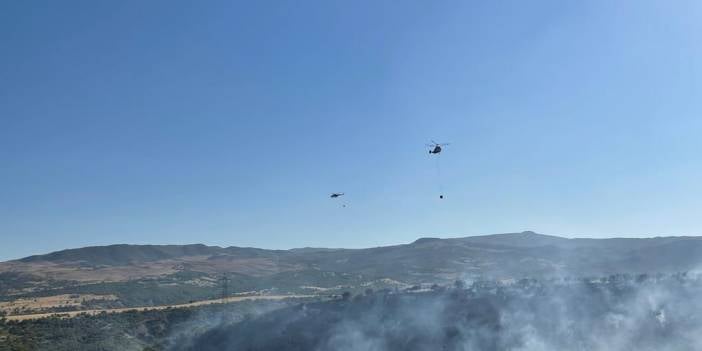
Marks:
<point>436,147</point>
<point>335,195</point>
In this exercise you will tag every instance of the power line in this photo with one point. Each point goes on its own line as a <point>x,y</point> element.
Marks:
<point>225,287</point>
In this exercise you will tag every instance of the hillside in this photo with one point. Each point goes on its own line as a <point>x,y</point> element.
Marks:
<point>153,274</point>
<point>528,315</point>
<point>610,313</point>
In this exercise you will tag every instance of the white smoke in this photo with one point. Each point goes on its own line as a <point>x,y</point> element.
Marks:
<point>616,313</point>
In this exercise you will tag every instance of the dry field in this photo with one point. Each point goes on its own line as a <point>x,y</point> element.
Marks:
<point>120,310</point>
<point>42,303</point>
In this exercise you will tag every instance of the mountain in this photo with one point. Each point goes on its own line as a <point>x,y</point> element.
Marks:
<point>507,255</point>
<point>115,255</point>
<point>427,260</point>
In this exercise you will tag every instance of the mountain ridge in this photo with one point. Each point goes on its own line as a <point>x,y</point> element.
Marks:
<point>123,253</point>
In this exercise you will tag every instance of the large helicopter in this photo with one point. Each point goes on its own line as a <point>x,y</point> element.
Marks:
<point>335,195</point>
<point>436,147</point>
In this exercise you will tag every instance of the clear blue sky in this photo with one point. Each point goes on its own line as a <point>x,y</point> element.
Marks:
<point>229,123</point>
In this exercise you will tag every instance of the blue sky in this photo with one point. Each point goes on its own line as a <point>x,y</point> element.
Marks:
<point>229,123</point>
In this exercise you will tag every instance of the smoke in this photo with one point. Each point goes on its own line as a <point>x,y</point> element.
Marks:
<point>185,335</point>
<point>614,313</point>
<point>618,314</point>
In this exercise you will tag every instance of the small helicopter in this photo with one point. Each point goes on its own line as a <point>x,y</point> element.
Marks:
<point>335,195</point>
<point>436,147</point>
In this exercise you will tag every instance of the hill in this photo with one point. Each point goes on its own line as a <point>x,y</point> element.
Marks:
<point>151,274</point>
